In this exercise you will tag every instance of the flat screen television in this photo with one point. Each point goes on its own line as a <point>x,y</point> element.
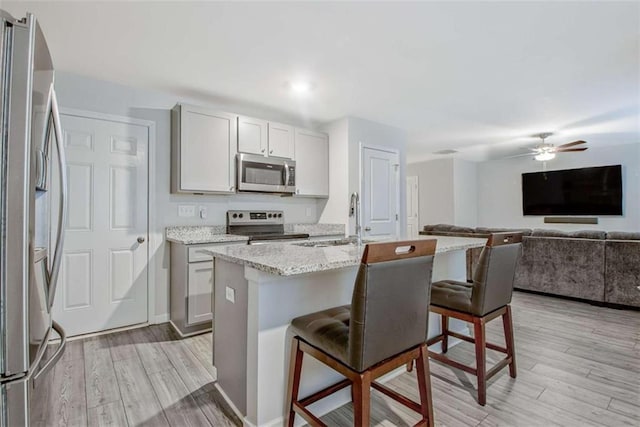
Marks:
<point>585,191</point>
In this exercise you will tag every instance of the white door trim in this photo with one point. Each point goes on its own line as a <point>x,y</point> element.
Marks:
<point>155,239</point>
<point>361,183</point>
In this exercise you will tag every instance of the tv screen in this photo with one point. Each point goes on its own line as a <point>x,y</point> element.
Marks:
<point>586,191</point>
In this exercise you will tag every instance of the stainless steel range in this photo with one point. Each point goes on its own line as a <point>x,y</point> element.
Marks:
<point>261,226</point>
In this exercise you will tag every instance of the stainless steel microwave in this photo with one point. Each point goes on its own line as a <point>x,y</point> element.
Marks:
<point>265,174</point>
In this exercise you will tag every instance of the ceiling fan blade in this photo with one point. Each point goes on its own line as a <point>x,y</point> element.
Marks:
<point>519,155</point>
<point>571,144</point>
<point>571,149</point>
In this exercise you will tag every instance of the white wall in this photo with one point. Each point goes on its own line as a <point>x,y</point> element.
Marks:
<point>365,132</point>
<point>465,192</point>
<point>500,191</point>
<point>447,191</point>
<point>335,209</point>
<point>83,93</point>
<point>345,138</point>
<point>435,191</point>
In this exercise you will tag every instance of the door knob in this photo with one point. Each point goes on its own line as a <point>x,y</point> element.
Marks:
<point>140,239</point>
<point>367,229</point>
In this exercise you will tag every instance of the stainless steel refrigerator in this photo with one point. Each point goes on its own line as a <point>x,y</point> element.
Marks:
<point>30,252</point>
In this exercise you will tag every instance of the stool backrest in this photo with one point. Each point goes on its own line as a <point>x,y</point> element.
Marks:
<point>495,272</point>
<point>390,303</point>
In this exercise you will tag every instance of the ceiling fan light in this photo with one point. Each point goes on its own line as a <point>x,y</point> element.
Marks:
<point>544,156</point>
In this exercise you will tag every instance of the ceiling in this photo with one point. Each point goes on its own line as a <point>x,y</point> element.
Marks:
<point>478,77</point>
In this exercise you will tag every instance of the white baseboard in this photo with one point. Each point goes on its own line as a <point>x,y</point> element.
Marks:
<point>161,318</point>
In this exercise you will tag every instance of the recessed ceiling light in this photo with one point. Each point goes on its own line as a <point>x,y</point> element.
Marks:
<point>300,87</point>
<point>448,151</point>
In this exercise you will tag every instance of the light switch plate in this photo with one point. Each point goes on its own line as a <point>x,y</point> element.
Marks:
<point>186,210</point>
<point>231,295</point>
<point>203,212</point>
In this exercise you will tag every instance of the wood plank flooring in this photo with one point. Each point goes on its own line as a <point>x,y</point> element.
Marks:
<point>578,365</point>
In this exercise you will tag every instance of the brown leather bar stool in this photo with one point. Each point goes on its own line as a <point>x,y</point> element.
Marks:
<point>486,298</point>
<point>384,328</point>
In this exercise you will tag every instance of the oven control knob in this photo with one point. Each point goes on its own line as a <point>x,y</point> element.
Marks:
<point>240,215</point>
<point>279,215</point>
<point>235,215</point>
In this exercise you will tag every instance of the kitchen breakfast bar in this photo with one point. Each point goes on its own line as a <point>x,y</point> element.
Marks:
<point>259,289</point>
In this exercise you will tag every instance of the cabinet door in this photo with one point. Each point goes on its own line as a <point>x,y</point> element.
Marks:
<point>281,141</point>
<point>199,289</point>
<point>252,136</point>
<point>207,150</point>
<point>312,163</point>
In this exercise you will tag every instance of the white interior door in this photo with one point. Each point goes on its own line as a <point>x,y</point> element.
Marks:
<point>412,207</point>
<point>104,269</point>
<point>380,208</point>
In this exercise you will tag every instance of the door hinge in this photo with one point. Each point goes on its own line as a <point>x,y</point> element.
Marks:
<point>396,217</point>
<point>396,167</point>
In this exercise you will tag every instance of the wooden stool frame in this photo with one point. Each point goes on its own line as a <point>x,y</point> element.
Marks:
<point>361,383</point>
<point>479,339</point>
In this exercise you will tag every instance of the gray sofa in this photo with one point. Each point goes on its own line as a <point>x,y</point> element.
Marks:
<point>591,265</point>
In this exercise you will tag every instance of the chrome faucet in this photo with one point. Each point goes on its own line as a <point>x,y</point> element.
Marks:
<point>354,210</point>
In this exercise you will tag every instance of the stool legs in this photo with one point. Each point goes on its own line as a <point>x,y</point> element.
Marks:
<point>481,359</point>
<point>445,332</point>
<point>361,391</point>
<point>424,385</point>
<point>507,323</point>
<point>295,368</point>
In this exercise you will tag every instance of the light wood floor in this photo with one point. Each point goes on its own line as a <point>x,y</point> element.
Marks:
<point>578,365</point>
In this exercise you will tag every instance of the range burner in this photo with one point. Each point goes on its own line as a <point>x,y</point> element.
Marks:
<point>260,226</point>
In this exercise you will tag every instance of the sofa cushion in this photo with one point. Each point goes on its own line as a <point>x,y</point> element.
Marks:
<point>622,272</point>
<point>623,235</point>
<point>570,267</point>
<point>491,230</point>
<point>448,228</point>
<point>580,234</point>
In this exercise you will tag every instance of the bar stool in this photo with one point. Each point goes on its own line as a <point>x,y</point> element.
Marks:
<point>384,328</point>
<point>486,298</point>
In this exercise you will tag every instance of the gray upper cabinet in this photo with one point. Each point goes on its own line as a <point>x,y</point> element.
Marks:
<point>264,138</point>
<point>312,163</point>
<point>204,146</point>
<point>252,135</point>
<point>281,140</point>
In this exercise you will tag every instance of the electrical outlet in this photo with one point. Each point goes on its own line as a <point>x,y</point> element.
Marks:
<point>203,212</point>
<point>186,210</point>
<point>231,295</point>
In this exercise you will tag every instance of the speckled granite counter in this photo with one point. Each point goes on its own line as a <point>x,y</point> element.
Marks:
<point>316,230</point>
<point>192,235</point>
<point>291,259</point>
<point>198,234</point>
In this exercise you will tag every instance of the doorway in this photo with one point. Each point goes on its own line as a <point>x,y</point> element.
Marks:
<point>104,272</point>
<point>380,193</point>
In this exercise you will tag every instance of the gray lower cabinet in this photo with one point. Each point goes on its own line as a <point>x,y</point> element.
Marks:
<point>191,287</point>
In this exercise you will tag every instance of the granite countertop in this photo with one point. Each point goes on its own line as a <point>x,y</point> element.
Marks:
<point>199,234</point>
<point>291,259</point>
<point>193,235</point>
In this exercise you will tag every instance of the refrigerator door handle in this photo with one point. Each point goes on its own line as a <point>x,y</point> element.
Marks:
<point>62,214</point>
<point>55,356</point>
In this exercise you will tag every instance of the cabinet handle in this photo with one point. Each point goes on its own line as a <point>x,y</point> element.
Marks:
<point>367,229</point>
<point>297,191</point>
<point>270,151</point>
<point>262,151</point>
<point>140,240</point>
<point>231,188</point>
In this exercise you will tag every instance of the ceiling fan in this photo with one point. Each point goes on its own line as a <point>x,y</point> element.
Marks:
<point>545,151</point>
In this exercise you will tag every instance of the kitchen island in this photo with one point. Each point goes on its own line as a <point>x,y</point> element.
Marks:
<point>259,289</point>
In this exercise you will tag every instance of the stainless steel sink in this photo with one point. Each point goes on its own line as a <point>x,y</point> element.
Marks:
<point>329,243</point>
